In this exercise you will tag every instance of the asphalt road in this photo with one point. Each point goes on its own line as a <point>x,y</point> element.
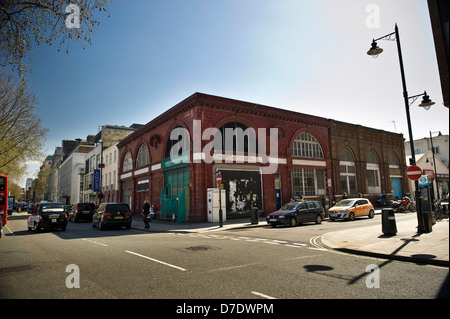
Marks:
<point>258,263</point>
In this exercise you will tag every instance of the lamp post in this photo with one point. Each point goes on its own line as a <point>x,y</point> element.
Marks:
<point>426,104</point>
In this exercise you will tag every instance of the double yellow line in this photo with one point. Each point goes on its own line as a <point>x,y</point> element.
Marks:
<point>313,242</point>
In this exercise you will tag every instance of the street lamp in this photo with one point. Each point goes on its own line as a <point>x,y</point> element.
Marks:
<point>374,51</point>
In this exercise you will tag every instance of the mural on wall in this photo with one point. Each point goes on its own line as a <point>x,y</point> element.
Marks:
<point>243,190</point>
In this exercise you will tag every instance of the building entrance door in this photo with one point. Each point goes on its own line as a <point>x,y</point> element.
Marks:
<point>277,177</point>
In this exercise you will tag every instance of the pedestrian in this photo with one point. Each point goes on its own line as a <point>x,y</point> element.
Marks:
<point>146,213</point>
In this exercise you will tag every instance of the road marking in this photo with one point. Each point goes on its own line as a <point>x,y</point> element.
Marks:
<point>298,244</point>
<point>9,229</point>
<point>313,241</point>
<point>263,240</point>
<point>271,242</point>
<point>262,295</point>
<point>155,260</point>
<point>94,242</point>
<point>233,267</point>
<point>256,239</point>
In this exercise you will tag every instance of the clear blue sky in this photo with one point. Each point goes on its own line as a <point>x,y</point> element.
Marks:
<point>302,55</point>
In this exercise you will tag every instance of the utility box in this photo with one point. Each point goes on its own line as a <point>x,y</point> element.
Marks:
<point>213,204</point>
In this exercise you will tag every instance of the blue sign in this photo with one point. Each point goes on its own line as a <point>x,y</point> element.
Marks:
<point>424,180</point>
<point>96,180</point>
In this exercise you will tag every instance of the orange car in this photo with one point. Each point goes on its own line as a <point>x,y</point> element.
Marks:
<point>351,208</point>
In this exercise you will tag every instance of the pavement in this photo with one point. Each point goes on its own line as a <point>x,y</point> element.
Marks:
<point>406,245</point>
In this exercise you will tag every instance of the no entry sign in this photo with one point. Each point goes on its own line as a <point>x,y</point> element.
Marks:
<point>219,178</point>
<point>413,172</point>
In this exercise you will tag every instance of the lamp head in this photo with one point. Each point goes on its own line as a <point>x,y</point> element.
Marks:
<point>426,102</point>
<point>374,50</point>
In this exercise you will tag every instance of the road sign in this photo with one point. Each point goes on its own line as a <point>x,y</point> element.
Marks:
<point>424,180</point>
<point>219,178</point>
<point>413,172</point>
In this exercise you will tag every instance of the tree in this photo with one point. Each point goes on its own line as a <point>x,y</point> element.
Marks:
<point>54,22</point>
<point>22,136</point>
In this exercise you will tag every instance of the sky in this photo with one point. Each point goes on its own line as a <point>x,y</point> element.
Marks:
<point>301,55</point>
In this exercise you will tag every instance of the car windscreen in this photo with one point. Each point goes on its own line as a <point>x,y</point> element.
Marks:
<point>51,208</point>
<point>289,206</point>
<point>345,202</point>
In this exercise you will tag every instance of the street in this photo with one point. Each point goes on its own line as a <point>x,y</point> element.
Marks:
<point>257,263</point>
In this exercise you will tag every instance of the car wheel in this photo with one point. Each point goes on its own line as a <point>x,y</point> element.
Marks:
<point>319,219</point>
<point>293,222</point>
<point>351,216</point>
<point>371,214</point>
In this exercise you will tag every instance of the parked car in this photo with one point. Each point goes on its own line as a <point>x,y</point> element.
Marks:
<point>81,211</point>
<point>351,208</point>
<point>112,214</point>
<point>295,213</point>
<point>47,215</point>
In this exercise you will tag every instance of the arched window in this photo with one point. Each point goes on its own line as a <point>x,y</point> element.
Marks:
<point>373,172</point>
<point>143,156</point>
<point>306,145</point>
<point>236,137</point>
<point>393,161</point>
<point>127,162</point>
<point>347,171</point>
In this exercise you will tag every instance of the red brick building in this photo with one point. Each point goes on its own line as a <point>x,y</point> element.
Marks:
<point>213,134</point>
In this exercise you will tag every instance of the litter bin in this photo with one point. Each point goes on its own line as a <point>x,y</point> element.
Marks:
<point>254,218</point>
<point>388,224</point>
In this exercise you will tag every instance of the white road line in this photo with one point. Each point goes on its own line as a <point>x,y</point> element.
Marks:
<point>262,295</point>
<point>256,240</point>
<point>94,242</point>
<point>155,260</point>
<point>298,244</point>
<point>271,242</point>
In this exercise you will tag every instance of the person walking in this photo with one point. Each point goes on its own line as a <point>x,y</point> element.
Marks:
<point>146,213</point>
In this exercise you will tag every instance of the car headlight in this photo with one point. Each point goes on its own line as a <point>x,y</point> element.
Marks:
<point>281,216</point>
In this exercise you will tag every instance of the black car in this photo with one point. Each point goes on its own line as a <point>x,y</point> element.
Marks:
<point>47,215</point>
<point>295,213</point>
<point>112,214</point>
<point>81,211</point>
